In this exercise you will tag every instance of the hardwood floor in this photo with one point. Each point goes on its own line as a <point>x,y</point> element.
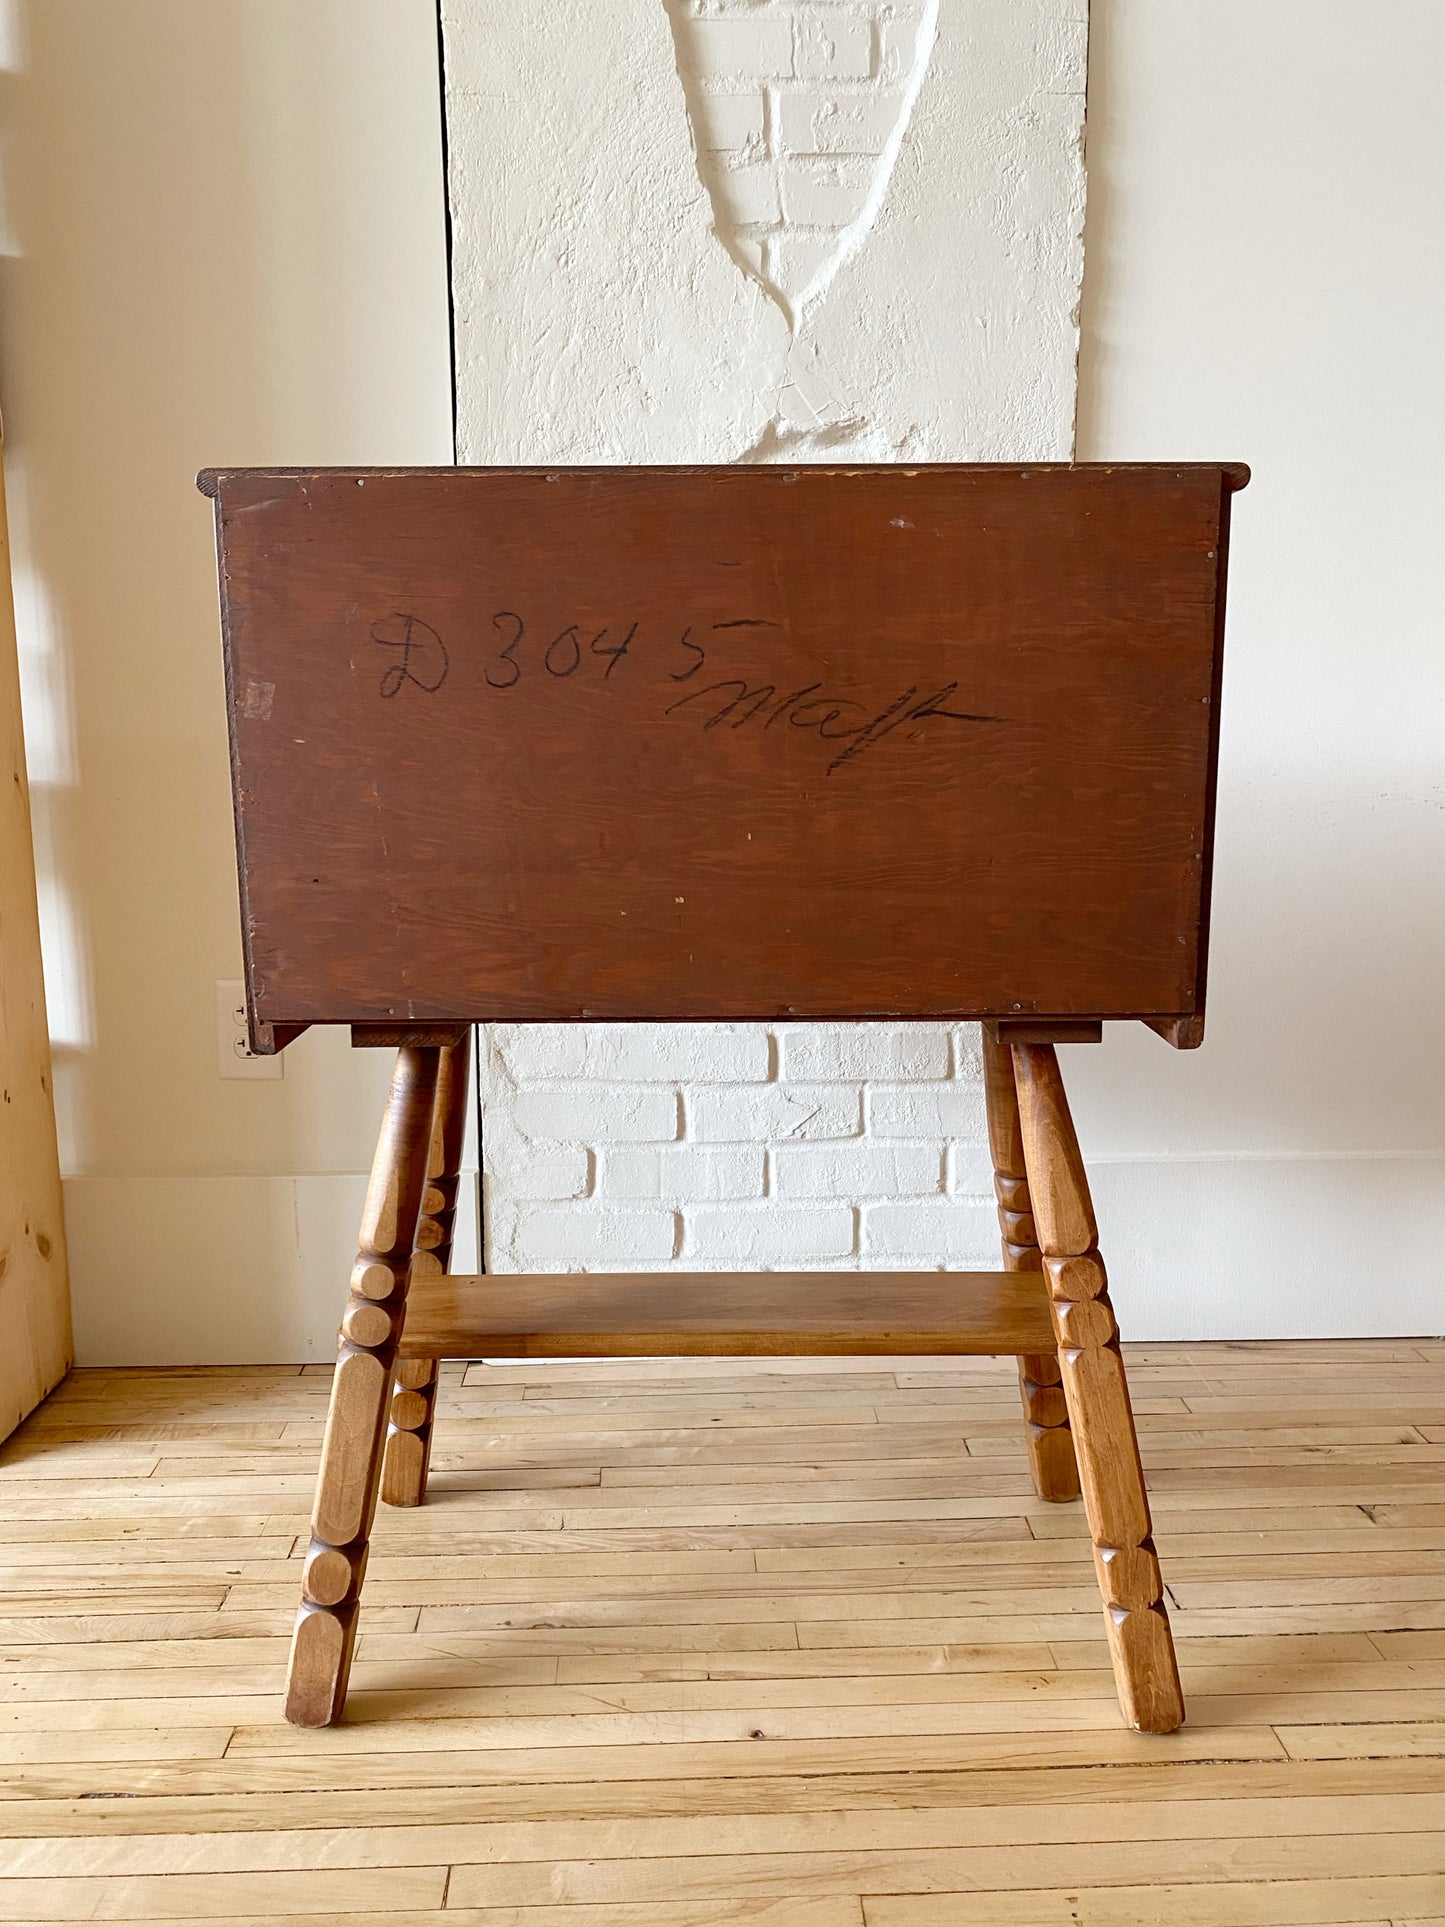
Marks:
<point>692,1644</point>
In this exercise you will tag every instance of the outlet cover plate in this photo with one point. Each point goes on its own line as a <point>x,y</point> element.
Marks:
<point>234,1056</point>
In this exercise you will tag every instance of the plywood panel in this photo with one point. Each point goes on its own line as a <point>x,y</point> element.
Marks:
<point>708,743</point>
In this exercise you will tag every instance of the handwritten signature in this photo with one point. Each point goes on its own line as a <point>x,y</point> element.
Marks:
<point>423,662</point>
<point>806,709</point>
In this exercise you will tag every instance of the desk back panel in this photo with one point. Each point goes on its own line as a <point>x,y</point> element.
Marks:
<point>524,744</point>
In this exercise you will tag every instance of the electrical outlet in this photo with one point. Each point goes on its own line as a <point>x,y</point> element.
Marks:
<point>235,1058</point>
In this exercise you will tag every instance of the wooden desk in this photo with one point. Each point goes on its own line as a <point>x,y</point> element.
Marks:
<point>726,743</point>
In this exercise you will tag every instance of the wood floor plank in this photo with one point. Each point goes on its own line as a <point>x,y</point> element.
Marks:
<point>890,1831</point>
<point>204,1896</point>
<point>1223,1696</point>
<point>832,1911</point>
<point>87,1622</point>
<point>285,1773</point>
<point>1159,1783</point>
<point>959,1870</point>
<point>136,1558</point>
<point>143,1743</point>
<point>1402,1645</point>
<point>1056,1627</point>
<point>1366,1902</point>
<point>1365,1739</point>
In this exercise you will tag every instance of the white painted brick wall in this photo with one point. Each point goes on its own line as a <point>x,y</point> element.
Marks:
<point>632,1147</point>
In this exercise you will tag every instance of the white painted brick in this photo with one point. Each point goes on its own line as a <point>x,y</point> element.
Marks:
<point>795,260</point>
<point>832,46</point>
<point>970,1171</point>
<point>738,47</point>
<point>946,1232</point>
<point>822,1051</point>
<point>824,194</point>
<point>767,1234</point>
<point>812,123</point>
<point>567,1237</point>
<point>911,1110</point>
<point>601,1116</point>
<point>758,1112</point>
<point>633,1053</point>
<point>749,250</point>
<point>525,1172</point>
<point>854,1171</point>
<point>734,121</point>
<point>751,195</point>
<point>898,38</point>
<point>683,1172</point>
<point>968,1051</point>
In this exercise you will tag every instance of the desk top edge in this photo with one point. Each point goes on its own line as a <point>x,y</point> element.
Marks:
<point>1234,475</point>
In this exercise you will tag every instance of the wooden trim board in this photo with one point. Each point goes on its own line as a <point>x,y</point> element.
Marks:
<point>710,1314</point>
<point>35,1344</point>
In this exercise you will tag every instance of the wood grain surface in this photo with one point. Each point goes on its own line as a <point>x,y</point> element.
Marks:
<point>719,1314</point>
<point>34,1274</point>
<point>414,1381</point>
<point>1091,1370</point>
<point>712,743</point>
<point>1046,1413</point>
<point>349,1478</point>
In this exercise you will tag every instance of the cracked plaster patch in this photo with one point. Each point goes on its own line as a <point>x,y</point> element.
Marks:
<point>798,114</point>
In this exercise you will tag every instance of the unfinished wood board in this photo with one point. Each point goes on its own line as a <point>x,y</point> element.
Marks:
<point>736,742</point>
<point>35,1347</point>
<point>666,1696</point>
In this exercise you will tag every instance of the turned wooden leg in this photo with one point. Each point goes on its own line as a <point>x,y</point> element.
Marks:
<point>408,1436</point>
<point>1046,1413</point>
<point>1092,1369</point>
<point>351,1451</point>
<point>413,1398</point>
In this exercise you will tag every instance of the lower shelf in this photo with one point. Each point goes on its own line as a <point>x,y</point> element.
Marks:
<point>727,1314</point>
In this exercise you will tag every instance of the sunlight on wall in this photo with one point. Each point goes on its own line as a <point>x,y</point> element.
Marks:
<point>226,243</point>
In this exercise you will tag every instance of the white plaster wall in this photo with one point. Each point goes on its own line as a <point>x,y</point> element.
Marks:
<point>223,242</point>
<point>1265,281</point>
<point>721,230</point>
<point>742,230</point>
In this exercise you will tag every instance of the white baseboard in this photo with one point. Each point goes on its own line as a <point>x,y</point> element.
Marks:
<point>252,1270</point>
<point>1317,1247</point>
<point>216,1271</point>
